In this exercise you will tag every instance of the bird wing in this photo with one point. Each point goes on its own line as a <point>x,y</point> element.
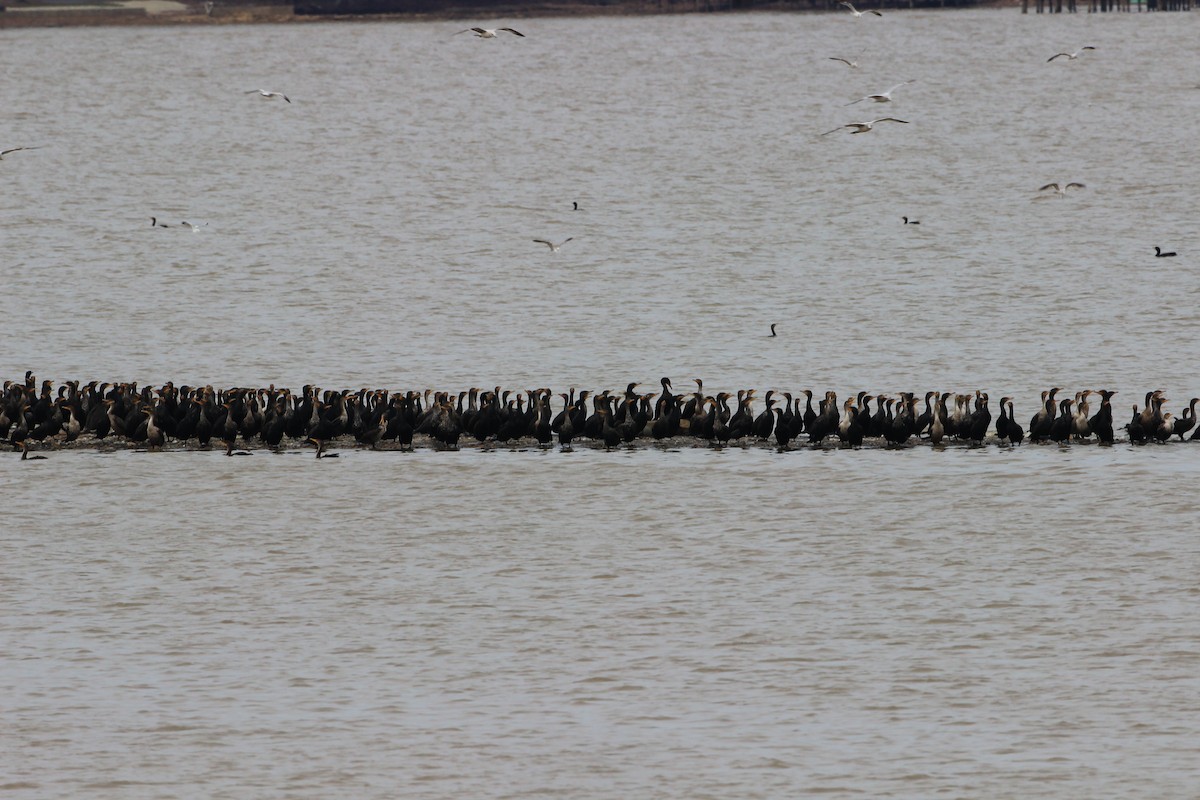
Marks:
<point>543,241</point>
<point>1080,185</point>
<point>1057,55</point>
<point>889,119</point>
<point>835,130</point>
<point>897,86</point>
<point>1053,186</point>
<point>285,97</point>
<point>844,61</point>
<point>859,100</point>
<point>517,33</point>
<point>876,13</point>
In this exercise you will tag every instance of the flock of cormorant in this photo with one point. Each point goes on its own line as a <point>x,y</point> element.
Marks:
<point>152,416</point>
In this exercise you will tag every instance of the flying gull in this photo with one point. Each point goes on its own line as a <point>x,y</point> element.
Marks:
<point>1070,56</point>
<point>864,127</point>
<point>489,33</point>
<point>554,248</point>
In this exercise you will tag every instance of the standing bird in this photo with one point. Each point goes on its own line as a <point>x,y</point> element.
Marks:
<point>1158,253</point>
<point>489,33</point>
<point>865,127</point>
<point>268,95</point>
<point>1070,56</point>
<point>858,13</point>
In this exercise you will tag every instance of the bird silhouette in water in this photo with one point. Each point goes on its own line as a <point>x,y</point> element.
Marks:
<point>772,328</point>
<point>908,221</point>
<point>1160,254</point>
<point>574,206</point>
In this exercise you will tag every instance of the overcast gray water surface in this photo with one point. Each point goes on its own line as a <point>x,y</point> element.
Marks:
<point>656,622</point>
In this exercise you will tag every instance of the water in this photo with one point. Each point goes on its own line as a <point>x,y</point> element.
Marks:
<point>672,622</point>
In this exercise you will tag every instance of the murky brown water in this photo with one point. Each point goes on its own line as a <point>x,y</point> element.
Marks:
<point>660,622</point>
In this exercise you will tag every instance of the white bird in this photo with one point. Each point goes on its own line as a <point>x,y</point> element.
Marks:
<point>846,61</point>
<point>864,127</point>
<point>554,247</point>
<point>195,228</point>
<point>1061,188</point>
<point>489,33</point>
<point>858,13</point>
<point>268,95</point>
<point>882,97</point>
<point>3,153</point>
<point>1070,56</point>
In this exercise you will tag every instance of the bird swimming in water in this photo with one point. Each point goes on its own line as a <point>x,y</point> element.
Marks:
<point>864,127</point>
<point>1158,253</point>
<point>154,223</point>
<point>908,221</point>
<point>772,328</point>
<point>554,248</point>
<point>1061,188</point>
<point>25,453</point>
<point>489,33</point>
<point>1070,56</point>
<point>268,95</point>
<point>858,13</point>
<point>575,205</point>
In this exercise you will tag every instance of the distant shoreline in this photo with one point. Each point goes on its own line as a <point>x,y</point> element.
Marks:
<point>195,12</point>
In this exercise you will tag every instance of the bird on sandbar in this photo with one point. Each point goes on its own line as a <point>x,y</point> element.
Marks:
<point>554,248</point>
<point>268,95</point>
<point>858,13</point>
<point>489,33</point>
<point>1070,56</point>
<point>864,127</point>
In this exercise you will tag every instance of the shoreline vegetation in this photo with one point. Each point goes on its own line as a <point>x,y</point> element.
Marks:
<point>72,13</point>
